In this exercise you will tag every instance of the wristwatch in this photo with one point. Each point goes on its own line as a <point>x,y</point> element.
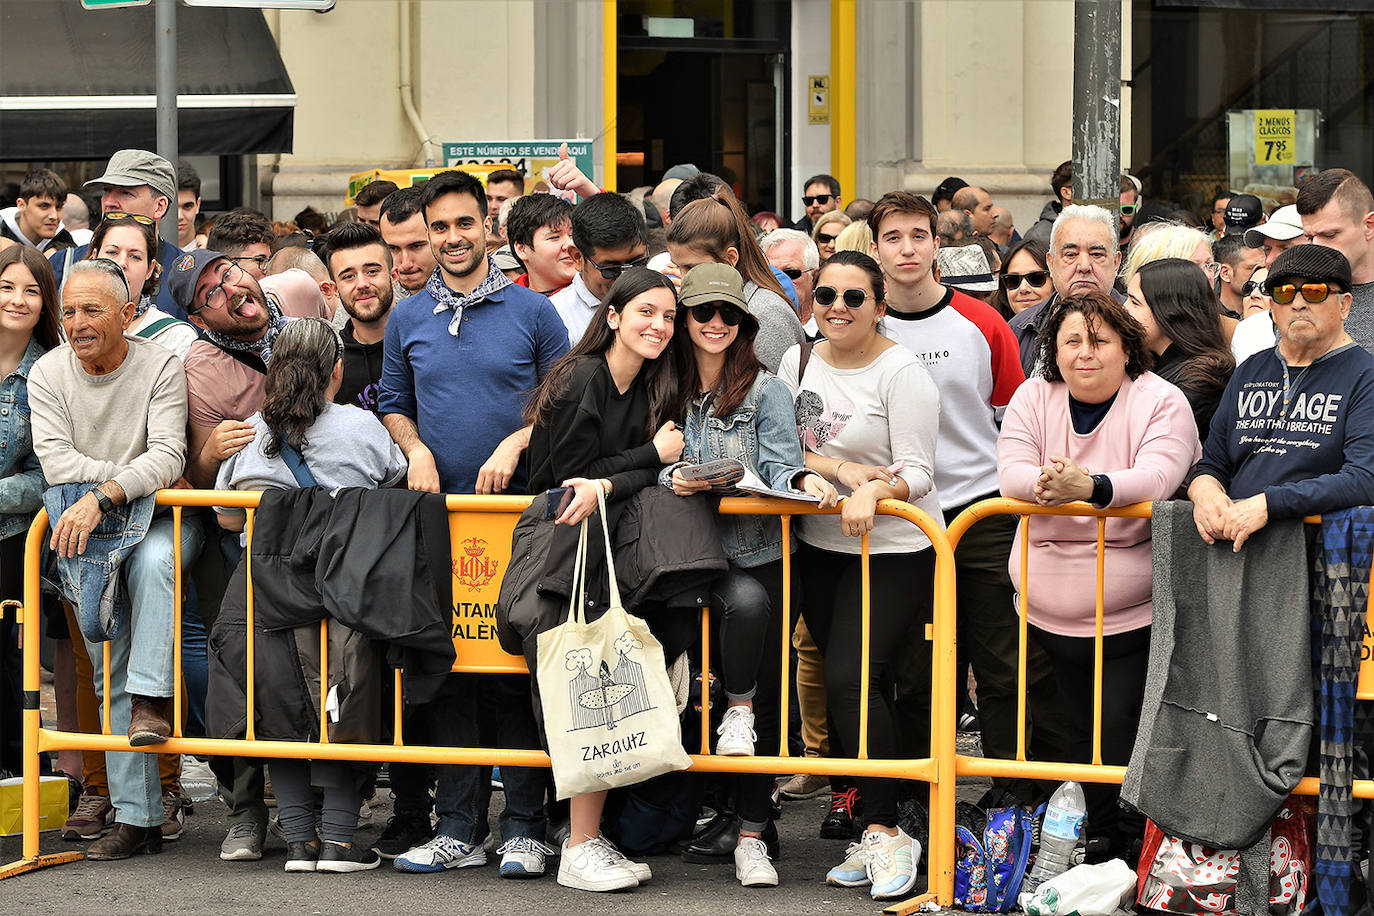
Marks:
<point>103,501</point>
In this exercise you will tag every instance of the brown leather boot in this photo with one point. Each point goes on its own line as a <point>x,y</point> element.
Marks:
<point>147,722</point>
<point>124,841</point>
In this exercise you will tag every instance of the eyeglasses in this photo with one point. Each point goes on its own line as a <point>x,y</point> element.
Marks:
<point>1211,269</point>
<point>826,239</point>
<point>792,273</point>
<point>1128,209</point>
<point>821,199</point>
<point>703,314</point>
<point>136,217</point>
<point>613,271</point>
<point>258,259</point>
<point>218,297</point>
<point>1285,293</point>
<point>825,296</point>
<point>1034,278</point>
<point>1250,287</point>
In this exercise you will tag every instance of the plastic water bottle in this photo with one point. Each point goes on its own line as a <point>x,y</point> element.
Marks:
<point>1060,834</point>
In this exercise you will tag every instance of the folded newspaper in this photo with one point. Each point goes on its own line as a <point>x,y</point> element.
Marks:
<point>730,477</point>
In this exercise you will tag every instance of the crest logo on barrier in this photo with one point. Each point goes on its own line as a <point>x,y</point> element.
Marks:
<point>473,568</point>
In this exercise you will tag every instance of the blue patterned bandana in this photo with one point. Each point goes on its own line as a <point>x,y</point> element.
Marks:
<point>448,299</point>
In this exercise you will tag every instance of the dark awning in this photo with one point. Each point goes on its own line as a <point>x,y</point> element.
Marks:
<point>80,84</point>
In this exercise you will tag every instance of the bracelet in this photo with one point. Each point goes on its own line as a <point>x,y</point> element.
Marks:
<point>605,486</point>
<point>837,469</point>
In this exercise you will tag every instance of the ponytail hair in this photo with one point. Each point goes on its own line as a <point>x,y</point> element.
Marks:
<point>714,224</point>
<point>297,386</point>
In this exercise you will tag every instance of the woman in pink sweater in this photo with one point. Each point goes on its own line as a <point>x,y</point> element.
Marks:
<point>1099,428</point>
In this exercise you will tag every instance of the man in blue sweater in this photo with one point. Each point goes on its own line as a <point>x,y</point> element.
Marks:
<point>1294,434</point>
<point>459,358</point>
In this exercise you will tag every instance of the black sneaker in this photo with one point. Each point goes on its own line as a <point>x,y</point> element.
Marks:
<point>403,834</point>
<point>341,859</point>
<point>841,822</point>
<point>302,856</point>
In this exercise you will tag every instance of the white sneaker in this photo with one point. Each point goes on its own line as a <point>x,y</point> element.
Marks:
<point>640,870</point>
<point>853,871</point>
<point>736,732</point>
<point>522,857</point>
<point>594,865</point>
<point>752,865</point>
<point>441,853</point>
<point>892,862</point>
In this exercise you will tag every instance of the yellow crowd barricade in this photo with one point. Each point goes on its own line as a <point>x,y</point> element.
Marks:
<point>1096,771</point>
<point>480,529</point>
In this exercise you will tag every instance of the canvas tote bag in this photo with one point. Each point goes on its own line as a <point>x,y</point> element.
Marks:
<point>610,714</point>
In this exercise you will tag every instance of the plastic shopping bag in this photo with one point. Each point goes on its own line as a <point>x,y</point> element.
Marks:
<point>610,713</point>
<point>1107,889</point>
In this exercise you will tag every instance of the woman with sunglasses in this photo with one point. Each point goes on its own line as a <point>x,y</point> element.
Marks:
<point>1174,303</point>
<point>869,415</point>
<point>1024,279</point>
<point>1256,331</point>
<point>602,419</point>
<point>333,445</point>
<point>130,240</point>
<point>734,408</point>
<point>28,329</point>
<point>827,230</point>
<point>715,229</point>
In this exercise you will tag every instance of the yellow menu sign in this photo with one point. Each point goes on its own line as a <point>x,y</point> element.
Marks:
<point>1274,136</point>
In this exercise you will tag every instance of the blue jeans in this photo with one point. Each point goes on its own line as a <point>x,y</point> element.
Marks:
<point>141,664</point>
<point>460,798</point>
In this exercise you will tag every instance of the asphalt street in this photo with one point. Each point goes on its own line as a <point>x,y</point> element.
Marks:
<point>189,877</point>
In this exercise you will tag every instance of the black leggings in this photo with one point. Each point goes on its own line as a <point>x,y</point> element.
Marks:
<point>746,625</point>
<point>1125,657</point>
<point>901,596</point>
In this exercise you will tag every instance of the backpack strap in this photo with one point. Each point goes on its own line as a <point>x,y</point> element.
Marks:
<point>299,469</point>
<point>805,357</point>
<point>152,329</point>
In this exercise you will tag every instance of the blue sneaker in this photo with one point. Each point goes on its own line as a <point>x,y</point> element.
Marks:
<point>522,857</point>
<point>853,871</point>
<point>892,862</point>
<point>440,853</point>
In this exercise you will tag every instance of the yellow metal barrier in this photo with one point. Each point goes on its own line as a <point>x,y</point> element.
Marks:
<point>481,528</point>
<point>1096,771</point>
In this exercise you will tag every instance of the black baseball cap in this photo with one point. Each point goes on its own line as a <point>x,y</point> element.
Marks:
<point>1243,212</point>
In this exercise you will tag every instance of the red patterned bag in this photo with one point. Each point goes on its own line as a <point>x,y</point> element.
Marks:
<point>1176,876</point>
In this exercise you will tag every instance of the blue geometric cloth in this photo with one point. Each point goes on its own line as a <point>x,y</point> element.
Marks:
<point>1340,597</point>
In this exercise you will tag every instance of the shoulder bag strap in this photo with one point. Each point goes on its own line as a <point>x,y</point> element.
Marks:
<point>299,469</point>
<point>803,359</point>
<point>610,558</point>
<point>156,326</point>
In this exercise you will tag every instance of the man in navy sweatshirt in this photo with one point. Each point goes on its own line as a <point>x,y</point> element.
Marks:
<point>1294,434</point>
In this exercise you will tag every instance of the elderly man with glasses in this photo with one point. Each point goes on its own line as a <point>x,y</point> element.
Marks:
<point>109,429</point>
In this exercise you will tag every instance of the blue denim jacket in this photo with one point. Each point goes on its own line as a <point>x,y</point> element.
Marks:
<point>90,580</point>
<point>762,433</point>
<point>21,479</point>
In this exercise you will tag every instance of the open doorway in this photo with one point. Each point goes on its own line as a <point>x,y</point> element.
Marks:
<point>705,82</point>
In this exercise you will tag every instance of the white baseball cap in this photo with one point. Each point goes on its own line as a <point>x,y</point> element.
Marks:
<point>1284,226</point>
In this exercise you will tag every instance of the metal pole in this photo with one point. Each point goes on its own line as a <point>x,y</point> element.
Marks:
<point>166,43</point>
<point>1097,102</point>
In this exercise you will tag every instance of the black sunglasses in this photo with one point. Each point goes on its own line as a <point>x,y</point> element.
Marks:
<point>1250,287</point>
<point>821,199</point>
<point>792,273</point>
<point>1034,278</point>
<point>728,313</point>
<point>852,298</point>
<point>825,239</point>
<point>613,271</point>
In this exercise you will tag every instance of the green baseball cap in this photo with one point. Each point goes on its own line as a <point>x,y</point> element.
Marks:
<point>712,283</point>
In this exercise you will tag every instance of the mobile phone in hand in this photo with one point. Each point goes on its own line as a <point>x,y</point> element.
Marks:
<point>556,501</point>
